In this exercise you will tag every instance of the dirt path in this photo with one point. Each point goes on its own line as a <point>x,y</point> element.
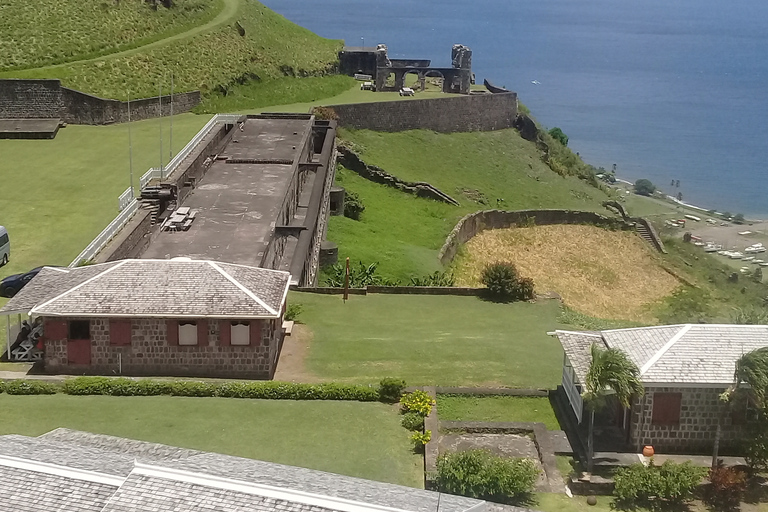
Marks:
<point>291,365</point>
<point>226,15</point>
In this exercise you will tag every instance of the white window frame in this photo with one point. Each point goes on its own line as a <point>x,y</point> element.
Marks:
<point>240,334</point>
<point>188,333</point>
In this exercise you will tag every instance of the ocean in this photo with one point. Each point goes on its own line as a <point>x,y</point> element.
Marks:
<point>664,90</point>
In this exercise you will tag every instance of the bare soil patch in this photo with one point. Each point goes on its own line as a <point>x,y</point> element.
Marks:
<point>602,273</point>
<point>291,365</point>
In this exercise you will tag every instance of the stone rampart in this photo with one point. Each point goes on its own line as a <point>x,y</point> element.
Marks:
<point>474,223</point>
<point>30,99</point>
<point>482,112</point>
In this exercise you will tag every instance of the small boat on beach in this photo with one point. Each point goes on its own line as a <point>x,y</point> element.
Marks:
<point>736,255</point>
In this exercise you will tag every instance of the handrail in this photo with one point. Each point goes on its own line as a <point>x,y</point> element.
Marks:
<point>125,199</point>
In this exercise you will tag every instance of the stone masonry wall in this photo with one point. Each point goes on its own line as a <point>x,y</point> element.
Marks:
<point>482,112</point>
<point>701,410</point>
<point>29,99</point>
<point>474,223</point>
<point>150,354</point>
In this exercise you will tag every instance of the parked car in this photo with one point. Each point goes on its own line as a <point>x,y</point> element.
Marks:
<point>11,285</point>
<point>5,246</point>
<point>406,91</point>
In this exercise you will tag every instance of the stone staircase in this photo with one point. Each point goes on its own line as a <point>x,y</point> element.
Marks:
<point>644,233</point>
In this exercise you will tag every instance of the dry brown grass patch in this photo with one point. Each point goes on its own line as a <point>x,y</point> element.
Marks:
<point>602,273</point>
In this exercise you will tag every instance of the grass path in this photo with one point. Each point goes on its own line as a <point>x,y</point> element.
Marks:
<point>226,15</point>
<point>350,438</point>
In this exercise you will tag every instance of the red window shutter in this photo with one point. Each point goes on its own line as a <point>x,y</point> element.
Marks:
<point>172,332</point>
<point>55,329</point>
<point>225,333</point>
<point>255,333</point>
<point>119,331</point>
<point>202,333</point>
<point>666,408</point>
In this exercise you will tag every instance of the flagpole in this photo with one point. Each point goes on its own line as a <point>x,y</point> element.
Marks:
<point>160,100</point>
<point>130,147</point>
<point>170,140</point>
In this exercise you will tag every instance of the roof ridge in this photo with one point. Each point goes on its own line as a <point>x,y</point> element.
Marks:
<point>663,350</point>
<point>645,328</point>
<point>92,278</point>
<point>242,287</point>
<point>62,471</point>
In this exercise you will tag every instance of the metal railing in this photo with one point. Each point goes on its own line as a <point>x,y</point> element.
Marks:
<point>125,199</point>
<point>155,173</point>
<point>105,236</point>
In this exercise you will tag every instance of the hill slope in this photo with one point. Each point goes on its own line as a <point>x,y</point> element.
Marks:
<point>247,42</point>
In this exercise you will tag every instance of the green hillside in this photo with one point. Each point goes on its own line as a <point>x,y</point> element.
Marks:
<point>245,41</point>
<point>56,31</point>
<point>481,170</point>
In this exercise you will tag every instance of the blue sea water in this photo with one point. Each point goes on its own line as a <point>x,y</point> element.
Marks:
<point>666,90</point>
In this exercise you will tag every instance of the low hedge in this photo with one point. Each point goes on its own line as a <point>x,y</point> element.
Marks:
<point>148,387</point>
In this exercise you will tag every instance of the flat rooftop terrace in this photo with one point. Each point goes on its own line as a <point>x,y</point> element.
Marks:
<point>238,199</point>
<point>29,128</point>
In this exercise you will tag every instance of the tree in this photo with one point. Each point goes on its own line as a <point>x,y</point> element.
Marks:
<point>611,372</point>
<point>644,187</point>
<point>738,218</point>
<point>559,136</point>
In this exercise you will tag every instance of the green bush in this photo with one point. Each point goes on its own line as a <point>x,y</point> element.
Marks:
<point>504,282</point>
<point>437,278</point>
<point>353,205</point>
<point>420,439</point>
<point>670,482</point>
<point>412,421</point>
<point>292,312</point>
<point>755,447</point>
<point>418,401</point>
<point>390,390</point>
<point>30,387</point>
<point>644,187</point>
<point>559,136</point>
<point>481,474</point>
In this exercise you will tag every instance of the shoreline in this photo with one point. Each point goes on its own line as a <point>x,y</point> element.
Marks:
<point>692,206</point>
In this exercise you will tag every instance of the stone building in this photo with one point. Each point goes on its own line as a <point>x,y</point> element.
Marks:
<point>177,317</point>
<point>685,369</point>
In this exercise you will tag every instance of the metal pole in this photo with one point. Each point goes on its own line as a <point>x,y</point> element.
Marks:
<point>130,147</point>
<point>170,139</point>
<point>160,100</point>
<point>8,346</point>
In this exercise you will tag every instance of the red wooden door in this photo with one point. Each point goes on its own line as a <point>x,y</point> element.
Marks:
<point>79,351</point>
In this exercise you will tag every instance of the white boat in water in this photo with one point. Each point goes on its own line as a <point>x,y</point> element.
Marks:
<point>736,255</point>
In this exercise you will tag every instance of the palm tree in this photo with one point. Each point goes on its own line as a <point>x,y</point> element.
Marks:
<point>611,372</point>
<point>752,370</point>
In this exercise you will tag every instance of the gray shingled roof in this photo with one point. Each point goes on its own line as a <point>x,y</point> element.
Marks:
<point>155,288</point>
<point>687,354</point>
<point>201,479</point>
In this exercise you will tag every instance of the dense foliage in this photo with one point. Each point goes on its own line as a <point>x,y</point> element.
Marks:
<point>437,278</point>
<point>669,482</point>
<point>559,136</point>
<point>481,474</point>
<point>644,187</point>
<point>417,401</point>
<point>353,205</point>
<point>390,389</point>
<point>412,421</point>
<point>505,283</point>
<point>292,312</point>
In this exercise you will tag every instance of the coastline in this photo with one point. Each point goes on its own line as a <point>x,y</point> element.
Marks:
<point>689,205</point>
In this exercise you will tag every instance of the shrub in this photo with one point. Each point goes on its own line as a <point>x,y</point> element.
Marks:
<point>390,390</point>
<point>360,276</point>
<point>420,439</point>
<point>504,282</point>
<point>727,483</point>
<point>671,482</point>
<point>756,449</point>
<point>30,387</point>
<point>559,136</point>
<point>412,421</point>
<point>418,401</point>
<point>437,278</point>
<point>481,474</point>
<point>325,113</point>
<point>353,205</point>
<point>292,312</point>
<point>644,187</point>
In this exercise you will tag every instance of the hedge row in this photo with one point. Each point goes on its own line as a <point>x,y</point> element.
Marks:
<point>148,387</point>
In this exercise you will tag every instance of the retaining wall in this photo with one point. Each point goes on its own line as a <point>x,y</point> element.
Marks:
<point>130,241</point>
<point>482,112</point>
<point>474,223</point>
<point>29,99</point>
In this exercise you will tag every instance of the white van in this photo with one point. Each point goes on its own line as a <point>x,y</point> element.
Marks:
<point>5,246</point>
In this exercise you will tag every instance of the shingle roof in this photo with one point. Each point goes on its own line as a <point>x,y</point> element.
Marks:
<point>155,288</point>
<point>156,476</point>
<point>687,354</point>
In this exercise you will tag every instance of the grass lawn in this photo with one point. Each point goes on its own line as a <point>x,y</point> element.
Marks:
<point>551,502</point>
<point>497,408</point>
<point>350,438</point>
<point>431,340</point>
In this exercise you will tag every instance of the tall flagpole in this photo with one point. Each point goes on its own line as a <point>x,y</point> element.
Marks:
<point>160,100</point>
<point>130,147</point>
<point>170,139</point>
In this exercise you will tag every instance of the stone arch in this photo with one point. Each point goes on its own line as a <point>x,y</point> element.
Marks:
<point>434,77</point>
<point>417,82</point>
